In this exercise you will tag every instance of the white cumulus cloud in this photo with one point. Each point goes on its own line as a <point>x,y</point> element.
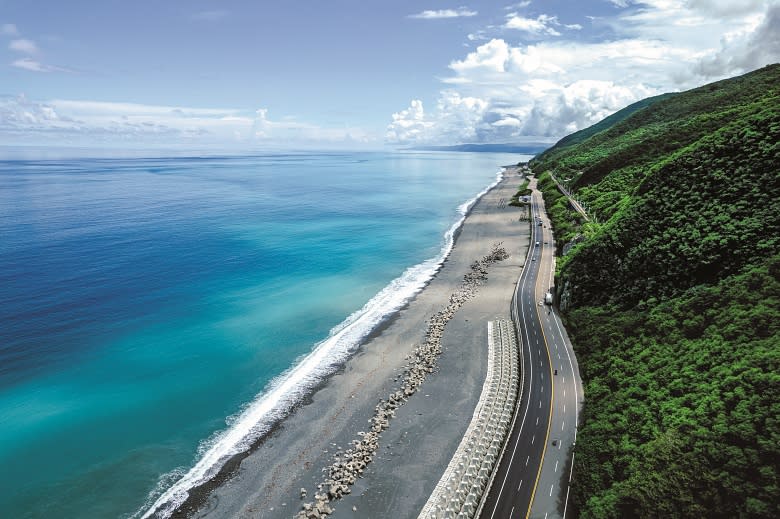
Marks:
<point>32,61</point>
<point>24,46</point>
<point>409,125</point>
<point>36,66</point>
<point>746,51</point>
<point>503,91</point>
<point>444,13</point>
<point>20,114</point>
<point>30,64</point>
<point>518,5</point>
<point>459,117</point>
<point>542,24</point>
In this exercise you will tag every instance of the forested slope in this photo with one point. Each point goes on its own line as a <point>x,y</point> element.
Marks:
<point>581,135</point>
<point>673,303</point>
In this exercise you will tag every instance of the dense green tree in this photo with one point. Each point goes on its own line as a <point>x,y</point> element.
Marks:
<point>672,300</point>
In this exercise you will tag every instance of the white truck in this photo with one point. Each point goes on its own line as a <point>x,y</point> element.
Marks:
<point>548,298</point>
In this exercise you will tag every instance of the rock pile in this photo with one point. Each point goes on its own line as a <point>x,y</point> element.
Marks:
<point>349,465</point>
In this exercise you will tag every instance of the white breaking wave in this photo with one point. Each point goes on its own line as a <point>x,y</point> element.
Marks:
<point>289,388</point>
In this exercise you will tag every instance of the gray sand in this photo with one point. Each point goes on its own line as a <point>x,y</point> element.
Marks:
<point>421,439</point>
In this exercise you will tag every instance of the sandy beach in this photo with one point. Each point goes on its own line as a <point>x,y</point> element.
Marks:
<point>416,448</point>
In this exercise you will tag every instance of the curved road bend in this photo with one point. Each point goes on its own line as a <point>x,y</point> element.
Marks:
<point>533,475</point>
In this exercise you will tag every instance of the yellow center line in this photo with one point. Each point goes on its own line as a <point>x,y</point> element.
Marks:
<point>552,398</point>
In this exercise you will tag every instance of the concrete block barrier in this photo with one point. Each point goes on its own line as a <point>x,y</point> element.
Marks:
<point>461,489</point>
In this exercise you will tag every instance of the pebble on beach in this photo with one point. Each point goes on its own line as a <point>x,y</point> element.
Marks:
<point>349,465</point>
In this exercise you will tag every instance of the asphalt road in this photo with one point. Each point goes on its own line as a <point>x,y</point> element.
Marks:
<point>533,477</point>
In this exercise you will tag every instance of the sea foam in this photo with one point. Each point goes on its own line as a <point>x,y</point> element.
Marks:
<point>289,388</point>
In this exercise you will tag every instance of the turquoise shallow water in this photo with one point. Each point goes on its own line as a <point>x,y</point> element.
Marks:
<point>152,309</point>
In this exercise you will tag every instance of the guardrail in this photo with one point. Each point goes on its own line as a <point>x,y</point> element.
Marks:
<point>461,489</point>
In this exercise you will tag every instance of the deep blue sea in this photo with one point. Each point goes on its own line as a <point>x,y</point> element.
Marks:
<point>158,314</point>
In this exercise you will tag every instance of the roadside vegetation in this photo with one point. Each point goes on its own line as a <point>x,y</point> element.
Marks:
<point>673,302</point>
<point>567,223</point>
<point>521,191</point>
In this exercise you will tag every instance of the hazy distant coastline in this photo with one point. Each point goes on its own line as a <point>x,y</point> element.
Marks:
<point>526,149</point>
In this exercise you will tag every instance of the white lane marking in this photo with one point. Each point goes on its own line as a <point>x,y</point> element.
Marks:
<point>556,466</point>
<point>564,408</point>
<point>535,269</point>
<point>551,487</point>
<point>512,512</point>
<point>526,460</point>
<point>567,501</point>
<point>519,288</point>
<point>564,393</point>
<point>559,356</point>
<point>562,424</point>
<point>571,365</point>
<point>532,439</point>
<point>540,404</point>
<point>520,485</point>
<point>572,465</point>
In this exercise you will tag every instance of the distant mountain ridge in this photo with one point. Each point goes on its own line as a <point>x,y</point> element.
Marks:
<point>528,149</point>
<point>672,298</point>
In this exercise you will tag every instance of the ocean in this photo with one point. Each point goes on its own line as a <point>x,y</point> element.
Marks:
<point>158,314</point>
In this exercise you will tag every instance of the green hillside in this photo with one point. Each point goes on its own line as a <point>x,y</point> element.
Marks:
<point>611,162</point>
<point>581,135</point>
<point>672,299</point>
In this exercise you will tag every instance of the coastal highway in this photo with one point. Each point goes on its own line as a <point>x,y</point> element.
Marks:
<point>553,486</point>
<point>533,476</point>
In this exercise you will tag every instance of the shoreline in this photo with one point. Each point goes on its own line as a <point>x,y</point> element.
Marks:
<point>245,486</point>
<point>305,377</point>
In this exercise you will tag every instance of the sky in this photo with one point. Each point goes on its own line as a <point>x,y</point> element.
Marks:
<point>355,74</point>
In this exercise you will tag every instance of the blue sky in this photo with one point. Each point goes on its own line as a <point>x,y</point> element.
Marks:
<point>368,74</point>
